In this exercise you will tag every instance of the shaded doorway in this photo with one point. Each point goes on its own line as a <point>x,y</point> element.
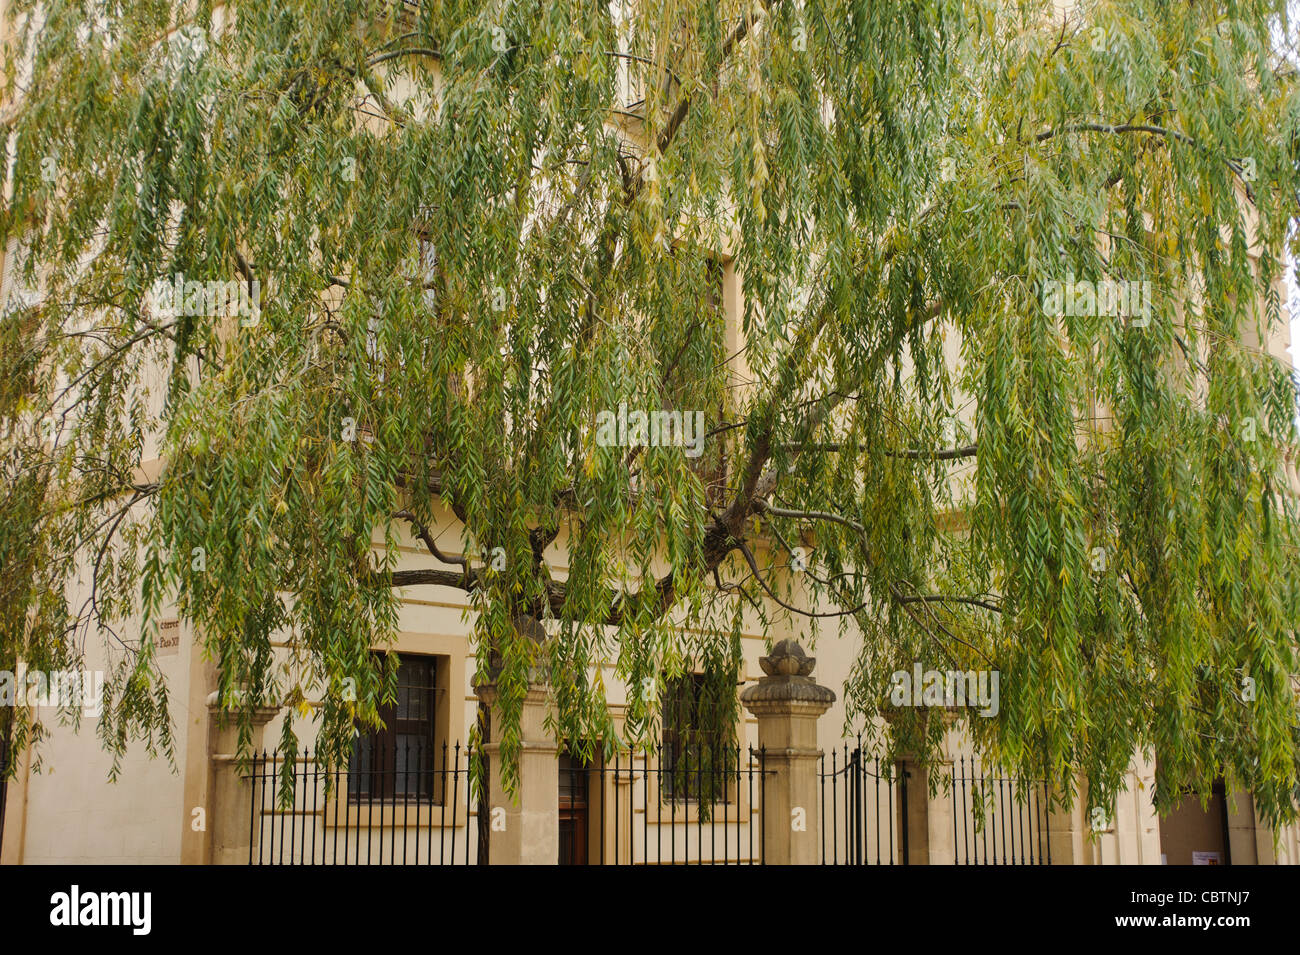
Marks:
<point>1192,835</point>
<point>573,819</point>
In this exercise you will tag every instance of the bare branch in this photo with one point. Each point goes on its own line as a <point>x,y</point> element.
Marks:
<point>423,533</point>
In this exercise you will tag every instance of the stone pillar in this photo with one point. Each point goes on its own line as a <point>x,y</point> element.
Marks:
<point>941,849</point>
<point>230,793</point>
<point>927,817</point>
<point>524,828</point>
<point>787,703</point>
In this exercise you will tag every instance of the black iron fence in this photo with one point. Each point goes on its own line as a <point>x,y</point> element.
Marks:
<point>863,809</point>
<point>998,820</point>
<point>639,808</point>
<point>422,812</point>
<point>652,808</point>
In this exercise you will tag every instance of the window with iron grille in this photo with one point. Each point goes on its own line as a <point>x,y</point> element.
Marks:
<point>699,739</point>
<point>403,758</point>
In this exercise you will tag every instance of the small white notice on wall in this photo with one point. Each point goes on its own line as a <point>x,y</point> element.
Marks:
<point>169,638</point>
<point>1207,858</point>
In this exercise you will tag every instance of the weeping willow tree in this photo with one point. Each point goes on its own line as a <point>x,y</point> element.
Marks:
<point>290,284</point>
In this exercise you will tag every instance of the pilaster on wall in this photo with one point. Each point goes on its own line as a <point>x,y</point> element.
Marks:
<point>1131,834</point>
<point>1282,848</point>
<point>1067,832</point>
<point>1243,842</point>
<point>14,836</point>
<point>929,818</point>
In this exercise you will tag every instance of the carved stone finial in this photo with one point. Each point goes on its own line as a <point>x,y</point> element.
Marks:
<point>789,679</point>
<point>787,659</point>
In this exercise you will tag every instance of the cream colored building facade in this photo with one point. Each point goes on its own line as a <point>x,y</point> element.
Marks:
<point>68,812</point>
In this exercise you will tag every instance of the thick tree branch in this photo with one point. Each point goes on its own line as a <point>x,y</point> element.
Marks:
<point>1149,129</point>
<point>423,534</point>
<point>468,582</point>
<point>950,598</point>
<point>911,454</point>
<point>678,115</point>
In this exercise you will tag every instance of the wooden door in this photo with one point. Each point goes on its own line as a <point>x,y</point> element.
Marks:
<point>573,821</point>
